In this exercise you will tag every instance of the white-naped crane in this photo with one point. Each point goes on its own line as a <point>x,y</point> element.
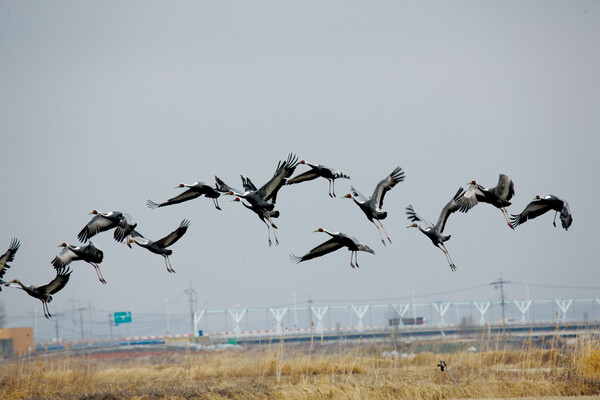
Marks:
<point>338,240</point>
<point>498,196</point>
<point>316,171</point>
<point>123,223</point>
<point>44,293</point>
<point>265,216</point>
<point>7,257</point>
<point>262,200</point>
<point>160,246</point>
<point>434,232</point>
<point>540,205</point>
<point>372,206</point>
<point>196,189</point>
<point>89,253</point>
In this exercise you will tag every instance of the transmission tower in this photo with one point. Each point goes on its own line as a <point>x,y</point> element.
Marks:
<point>191,292</point>
<point>500,284</point>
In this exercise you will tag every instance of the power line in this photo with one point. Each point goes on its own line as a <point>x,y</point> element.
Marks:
<point>556,286</point>
<point>407,297</point>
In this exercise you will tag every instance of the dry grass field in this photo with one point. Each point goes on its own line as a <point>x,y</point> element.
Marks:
<point>359,369</point>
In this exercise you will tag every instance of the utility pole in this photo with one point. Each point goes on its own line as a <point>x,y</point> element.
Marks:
<point>190,292</point>
<point>72,319</point>
<point>168,317</point>
<point>500,284</point>
<point>310,311</point>
<point>110,325</point>
<point>295,312</point>
<point>34,323</point>
<point>91,336</point>
<point>57,337</point>
<point>82,336</point>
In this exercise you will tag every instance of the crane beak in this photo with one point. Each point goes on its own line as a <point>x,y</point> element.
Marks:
<point>129,243</point>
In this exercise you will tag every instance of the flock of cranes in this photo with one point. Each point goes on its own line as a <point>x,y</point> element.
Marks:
<point>262,202</point>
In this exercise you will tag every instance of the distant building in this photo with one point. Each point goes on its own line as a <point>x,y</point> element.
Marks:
<point>16,341</point>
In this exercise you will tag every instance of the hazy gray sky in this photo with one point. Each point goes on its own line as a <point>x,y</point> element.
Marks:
<point>104,104</point>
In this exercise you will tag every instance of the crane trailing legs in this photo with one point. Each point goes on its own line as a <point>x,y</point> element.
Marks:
<point>265,216</point>
<point>434,232</point>
<point>499,196</point>
<point>160,246</point>
<point>371,206</point>
<point>386,235</point>
<point>338,240</point>
<point>540,205</point>
<point>262,200</point>
<point>317,170</point>
<point>44,293</point>
<point>90,254</point>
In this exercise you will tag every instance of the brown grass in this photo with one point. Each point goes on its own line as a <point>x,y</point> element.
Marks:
<point>343,370</point>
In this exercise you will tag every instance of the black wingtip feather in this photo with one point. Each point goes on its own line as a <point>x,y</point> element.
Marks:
<point>410,214</point>
<point>295,258</point>
<point>152,205</point>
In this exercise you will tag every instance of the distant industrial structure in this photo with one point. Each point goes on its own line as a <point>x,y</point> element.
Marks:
<point>16,341</point>
<point>316,318</point>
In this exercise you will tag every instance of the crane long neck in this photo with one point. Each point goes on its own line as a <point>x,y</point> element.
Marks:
<point>332,234</point>
<point>18,282</point>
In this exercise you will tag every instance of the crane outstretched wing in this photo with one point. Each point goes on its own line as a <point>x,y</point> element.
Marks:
<point>185,196</point>
<point>225,188</point>
<point>505,187</point>
<point>248,185</point>
<point>536,208</point>
<point>125,227</point>
<point>175,235</point>
<point>452,206</point>
<point>99,223</point>
<point>64,258</point>
<point>566,218</point>
<point>284,170</point>
<point>322,249</point>
<point>59,282</point>
<point>8,256</point>
<point>358,194</point>
<point>414,217</point>
<point>385,185</point>
<point>469,198</point>
<point>303,177</point>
